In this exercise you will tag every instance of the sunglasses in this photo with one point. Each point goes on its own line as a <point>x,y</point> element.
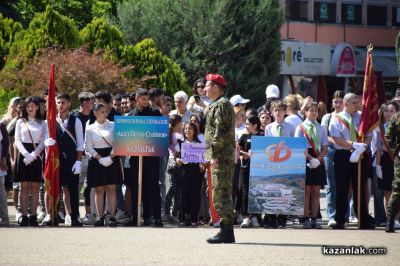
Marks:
<point>201,86</point>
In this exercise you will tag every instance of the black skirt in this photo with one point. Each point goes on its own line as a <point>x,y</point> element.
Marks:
<point>387,172</point>
<point>99,175</point>
<point>316,176</point>
<point>32,172</point>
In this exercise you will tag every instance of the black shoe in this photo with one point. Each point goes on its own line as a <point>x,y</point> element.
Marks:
<point>158,223</point>
<point>113,222</point>
<point>23,220</point>
<point>147,222</point>
<point>60,220</point>
<point>76,223</point>
<point>225,235</point>
<point>389,226</point>
<point>132,223</point>
<point>33,220</point>
<point>338,226</point>
<point>368,226</point>
<point>99,223</point>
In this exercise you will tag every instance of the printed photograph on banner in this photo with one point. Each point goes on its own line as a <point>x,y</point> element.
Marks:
<point>277,175</point>
<point>141,136</point>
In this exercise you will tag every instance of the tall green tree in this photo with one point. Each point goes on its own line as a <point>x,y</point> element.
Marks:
<point>100,34</point>
<point>237,38</point>
<point>81,11</point>
<point>8,29</point>
<point>46,29</point>
<point>149,61</point>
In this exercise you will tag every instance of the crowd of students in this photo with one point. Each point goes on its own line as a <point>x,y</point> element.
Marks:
<point>174,191</point>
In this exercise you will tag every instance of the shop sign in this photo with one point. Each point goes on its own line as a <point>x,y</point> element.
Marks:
<point>343,61</point>
<point>300,58</point>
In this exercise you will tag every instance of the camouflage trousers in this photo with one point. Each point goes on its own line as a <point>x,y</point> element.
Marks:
<point>222,189</point>
<point>394,203</point>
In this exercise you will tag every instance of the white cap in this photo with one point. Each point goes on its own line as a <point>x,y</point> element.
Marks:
<point>272,91</point>
<point>236,99</point>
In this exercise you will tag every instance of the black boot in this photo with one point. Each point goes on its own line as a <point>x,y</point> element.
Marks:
<point>389,224</point>
<point>225,235</point>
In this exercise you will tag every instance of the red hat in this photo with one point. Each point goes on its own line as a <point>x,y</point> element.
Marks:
<point>217,79</point>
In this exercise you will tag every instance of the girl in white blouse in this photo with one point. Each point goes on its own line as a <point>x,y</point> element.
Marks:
<point>104,170</point>
<point>30,132</point>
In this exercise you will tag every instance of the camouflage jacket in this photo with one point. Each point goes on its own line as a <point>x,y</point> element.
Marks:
<point>220,130</point>
<point>392,134</point>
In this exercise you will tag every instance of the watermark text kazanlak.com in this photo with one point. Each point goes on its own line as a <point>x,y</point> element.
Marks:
<point>353,250</point>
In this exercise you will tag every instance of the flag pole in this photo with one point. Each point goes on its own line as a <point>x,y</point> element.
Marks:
<point>359,177</point>
<point>140,177</point>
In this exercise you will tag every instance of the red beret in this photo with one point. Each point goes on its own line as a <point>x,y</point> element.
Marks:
<point>217,79</point>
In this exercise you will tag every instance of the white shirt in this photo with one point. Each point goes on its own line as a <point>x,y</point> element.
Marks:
<point>185,116</point>
<point>239,131</point>
<point>94,137</point>
<point>78,130</point>
<point>38,131</point>
<point>294,120</point>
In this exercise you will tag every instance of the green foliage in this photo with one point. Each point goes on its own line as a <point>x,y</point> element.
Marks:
<point>80,11</point>
<point>46,29</point>
<point>237,38</point>
<point>8,29</point>
<point>148,60</point>
<point>5,97</point>
<point>100,34</point>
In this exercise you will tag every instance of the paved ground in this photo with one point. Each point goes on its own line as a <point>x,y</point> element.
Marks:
<point>187,246</point>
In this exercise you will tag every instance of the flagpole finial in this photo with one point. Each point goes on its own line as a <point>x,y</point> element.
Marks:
<point>370,47</point>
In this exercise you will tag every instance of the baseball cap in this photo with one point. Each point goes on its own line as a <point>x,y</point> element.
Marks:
<point>272,91</point>
<point>236,99</point>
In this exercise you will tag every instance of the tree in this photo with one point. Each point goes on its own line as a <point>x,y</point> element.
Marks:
<point>46,29</point>
<point>149,61</point>
<point>8,29</point>
<point>100,34</point>
<point>237,38</point>
<point>92,72</point>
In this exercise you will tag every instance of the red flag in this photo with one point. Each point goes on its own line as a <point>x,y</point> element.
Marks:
<point>52,166</point>
<point>369,116</point>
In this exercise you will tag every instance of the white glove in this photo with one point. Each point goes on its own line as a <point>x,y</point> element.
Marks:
<point>49,142</point>
<point>76,168</point>
<point>33,154</point>
<point>355,156</point>
<point>360,147</point>
<point>106,161</point>
<point>378,170</point>
<point>315,162</point>
<point>28,159</point>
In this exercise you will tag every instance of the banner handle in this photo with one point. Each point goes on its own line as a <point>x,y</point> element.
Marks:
<point>139,189</point>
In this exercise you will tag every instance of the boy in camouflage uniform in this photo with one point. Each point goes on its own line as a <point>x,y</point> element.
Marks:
<point>393,139</point>
<point>220,147</point>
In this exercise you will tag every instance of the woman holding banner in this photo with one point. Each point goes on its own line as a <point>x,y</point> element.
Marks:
<point>105,169</point>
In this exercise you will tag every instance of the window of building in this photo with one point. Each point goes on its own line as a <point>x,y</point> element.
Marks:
<point>296,10</point>
<point>396,16</point>
<point>351,14</point>
<point>376,15</point>
<point>325,12</point>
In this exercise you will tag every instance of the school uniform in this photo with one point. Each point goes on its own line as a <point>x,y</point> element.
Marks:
<point>346,171</point>
<point>190,184</point>
<point>315,176</point>
<point>99,139</point>
<point>275,129</point>
<point>151,189</point>
<point>29,137</point>
<point>387,163</point>
<point>69,135</point>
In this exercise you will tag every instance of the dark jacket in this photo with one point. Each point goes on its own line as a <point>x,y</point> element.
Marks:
<point>5,142</point>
